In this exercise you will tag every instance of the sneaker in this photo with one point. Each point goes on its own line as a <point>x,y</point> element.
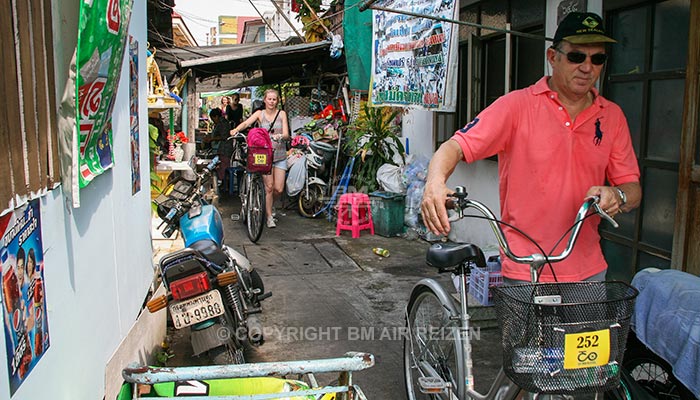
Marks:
<point>271,222</point>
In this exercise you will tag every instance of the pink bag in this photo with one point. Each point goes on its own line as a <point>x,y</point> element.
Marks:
<point>259,151</point>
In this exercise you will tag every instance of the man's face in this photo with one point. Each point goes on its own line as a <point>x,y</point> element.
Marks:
<point>20,271</point>
<point>571,77</point>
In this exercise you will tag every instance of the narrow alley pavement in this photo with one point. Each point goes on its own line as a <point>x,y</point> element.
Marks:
<point>332,295</point>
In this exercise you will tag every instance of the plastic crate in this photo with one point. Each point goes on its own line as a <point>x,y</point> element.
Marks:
<point>387,212</point>
<point>481,280</point>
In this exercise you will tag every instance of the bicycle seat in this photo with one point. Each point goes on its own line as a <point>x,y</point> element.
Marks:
<point>447,256</point>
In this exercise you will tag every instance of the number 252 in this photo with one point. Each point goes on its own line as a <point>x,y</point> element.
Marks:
<point>587,341</point>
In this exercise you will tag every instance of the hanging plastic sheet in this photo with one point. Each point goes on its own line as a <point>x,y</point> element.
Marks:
<point>102,34</point>
<point>358,45</point>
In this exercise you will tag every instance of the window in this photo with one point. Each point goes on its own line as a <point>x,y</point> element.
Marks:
<point>482,58</point>
<point>28,139</point>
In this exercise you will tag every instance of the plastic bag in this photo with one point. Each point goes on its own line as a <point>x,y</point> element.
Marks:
<point>297,177</point>
<point>390,178</point>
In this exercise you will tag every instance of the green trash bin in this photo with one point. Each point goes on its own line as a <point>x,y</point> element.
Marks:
<point>387,212</point>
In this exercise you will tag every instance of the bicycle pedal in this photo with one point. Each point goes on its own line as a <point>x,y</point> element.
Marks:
<point>264,296</point>
<point>254,310</point>
<point>235,217</point>
<point>432,385</point>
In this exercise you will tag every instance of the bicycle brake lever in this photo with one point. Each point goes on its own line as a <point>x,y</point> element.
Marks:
<point>605,215</point>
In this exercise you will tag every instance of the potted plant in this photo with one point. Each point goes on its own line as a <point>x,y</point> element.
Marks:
<point>374,138</point>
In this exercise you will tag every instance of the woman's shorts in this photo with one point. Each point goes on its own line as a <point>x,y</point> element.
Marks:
<point>282,164</point>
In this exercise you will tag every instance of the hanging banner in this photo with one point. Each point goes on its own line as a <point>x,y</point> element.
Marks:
<point>134,115</point>
<point>414,60</point>
<point>23,298</point>
<point>102,34</point>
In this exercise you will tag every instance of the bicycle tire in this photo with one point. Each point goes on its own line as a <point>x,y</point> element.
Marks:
<point>243,193</point>
<point>654,374</point>
<point>311,200</point>
<point>432,348</point>
<point>256,209</point>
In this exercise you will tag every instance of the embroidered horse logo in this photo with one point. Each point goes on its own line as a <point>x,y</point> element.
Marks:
<point>598,133</point>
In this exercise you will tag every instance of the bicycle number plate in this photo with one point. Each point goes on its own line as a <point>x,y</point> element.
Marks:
<point>197,309</point>
<point>586,349</point>
<point>260,159</point>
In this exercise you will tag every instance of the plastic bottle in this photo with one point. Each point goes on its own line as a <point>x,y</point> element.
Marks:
<point>525,359</point>
<point>381,252</point>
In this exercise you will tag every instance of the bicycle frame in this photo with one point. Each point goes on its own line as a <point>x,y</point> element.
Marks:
<point>502,387</point>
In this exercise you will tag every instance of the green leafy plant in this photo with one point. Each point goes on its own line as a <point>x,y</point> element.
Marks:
<point>374,139</point>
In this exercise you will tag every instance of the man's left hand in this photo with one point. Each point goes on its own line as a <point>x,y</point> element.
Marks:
<point>610,200</point>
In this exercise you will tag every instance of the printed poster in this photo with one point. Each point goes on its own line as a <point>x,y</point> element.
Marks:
<point>102,34</point>
<point>23,298</point>
<point>134,115</point>
<point>414,60</point>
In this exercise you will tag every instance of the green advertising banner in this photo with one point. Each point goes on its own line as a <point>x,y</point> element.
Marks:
<point>102,35</point>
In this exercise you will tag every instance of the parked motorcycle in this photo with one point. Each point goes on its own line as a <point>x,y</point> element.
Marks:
<point>317,186</point>
<point>211,288</point>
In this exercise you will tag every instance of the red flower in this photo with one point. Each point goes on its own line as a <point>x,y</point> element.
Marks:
<point>179,138</point>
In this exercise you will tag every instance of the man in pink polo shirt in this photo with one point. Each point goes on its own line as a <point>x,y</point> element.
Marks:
<point>557,142</point>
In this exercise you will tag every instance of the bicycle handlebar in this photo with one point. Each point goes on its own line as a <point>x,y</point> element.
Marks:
<point>535,260</point>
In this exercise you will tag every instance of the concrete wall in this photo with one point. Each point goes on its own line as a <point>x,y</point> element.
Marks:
<point>97,257</point>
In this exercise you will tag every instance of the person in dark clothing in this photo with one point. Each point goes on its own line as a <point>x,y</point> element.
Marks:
<point>235,110</point>
<point>217,138</point>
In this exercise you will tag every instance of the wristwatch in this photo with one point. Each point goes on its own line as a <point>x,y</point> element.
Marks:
<point>623,196</point>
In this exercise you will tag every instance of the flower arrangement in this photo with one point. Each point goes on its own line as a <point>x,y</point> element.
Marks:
<point>178,138</point>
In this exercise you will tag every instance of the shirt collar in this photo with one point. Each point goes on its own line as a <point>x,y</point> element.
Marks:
<point>541,87</point>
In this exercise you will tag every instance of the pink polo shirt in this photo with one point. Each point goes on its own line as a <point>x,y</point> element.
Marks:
<point>546,164</point>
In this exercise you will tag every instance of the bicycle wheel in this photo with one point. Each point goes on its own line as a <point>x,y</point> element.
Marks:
<point>255,209</point>
<point>655,375</point>
<point>311,200</point>
<point>243,193</point>
<point>432,348</point>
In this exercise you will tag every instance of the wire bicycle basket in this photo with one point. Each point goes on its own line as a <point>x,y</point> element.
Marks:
<point>564,338</point>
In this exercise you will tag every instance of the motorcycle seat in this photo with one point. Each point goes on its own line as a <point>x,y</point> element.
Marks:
<point>210,250</point>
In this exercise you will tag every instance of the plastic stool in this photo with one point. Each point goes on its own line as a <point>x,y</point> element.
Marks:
<point>354,214</point>
<point>232,173</point>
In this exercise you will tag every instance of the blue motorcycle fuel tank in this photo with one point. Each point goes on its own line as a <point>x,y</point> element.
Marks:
<point>205,226</point>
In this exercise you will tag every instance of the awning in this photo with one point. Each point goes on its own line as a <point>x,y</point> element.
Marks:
<point>228,66</point>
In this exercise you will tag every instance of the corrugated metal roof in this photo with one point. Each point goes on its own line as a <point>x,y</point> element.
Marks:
<point>278,61</point>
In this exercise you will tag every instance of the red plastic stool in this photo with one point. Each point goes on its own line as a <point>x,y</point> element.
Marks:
<point>354,214</point>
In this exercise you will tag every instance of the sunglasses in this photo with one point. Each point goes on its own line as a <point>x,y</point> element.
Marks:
<point>576,57</point>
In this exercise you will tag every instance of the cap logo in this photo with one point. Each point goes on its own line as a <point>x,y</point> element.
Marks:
<point>590,22</point>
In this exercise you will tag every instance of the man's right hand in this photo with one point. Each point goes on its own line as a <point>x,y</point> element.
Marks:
<point>436,192</point>
<point>433,207</point>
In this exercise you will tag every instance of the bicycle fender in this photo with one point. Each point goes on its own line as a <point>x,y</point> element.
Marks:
<point>440,292</point>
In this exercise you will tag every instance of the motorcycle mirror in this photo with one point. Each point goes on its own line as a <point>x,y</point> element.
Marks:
<point>192,162</point>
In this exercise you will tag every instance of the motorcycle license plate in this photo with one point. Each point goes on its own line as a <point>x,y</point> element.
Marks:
<point>197,309</point>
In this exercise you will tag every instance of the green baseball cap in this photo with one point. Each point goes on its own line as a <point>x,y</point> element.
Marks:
<point>581,28</point>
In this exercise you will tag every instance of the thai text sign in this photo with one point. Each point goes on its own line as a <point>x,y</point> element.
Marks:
<point>414,59</point>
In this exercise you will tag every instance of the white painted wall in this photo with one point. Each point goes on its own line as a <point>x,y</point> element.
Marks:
<point>98,256</point>
<point>480,179</point>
